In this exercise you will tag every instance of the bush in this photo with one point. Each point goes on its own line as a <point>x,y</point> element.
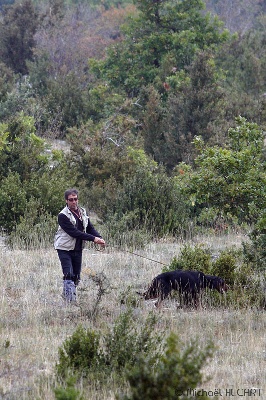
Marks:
<point>173,377</point>
<point>80,353</point>
<point>69,392</point>
<point>226,264</point>
<point>150,202</point>
<point>255,251</point>
<point>122,232</point>
<point>84,354</point>
<point>35,230</point>
<point>131,353</point>
<point>126,342</point>
<point>192,258</point>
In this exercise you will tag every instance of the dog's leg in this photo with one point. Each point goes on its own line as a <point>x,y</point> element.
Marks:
<point>164,292</point>
<point>158,303</point>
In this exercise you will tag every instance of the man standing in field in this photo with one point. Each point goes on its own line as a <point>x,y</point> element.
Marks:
<point>74,228</point>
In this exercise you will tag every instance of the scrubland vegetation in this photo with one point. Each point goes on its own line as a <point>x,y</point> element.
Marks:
<point>155,111</point>
<point>35,323</point>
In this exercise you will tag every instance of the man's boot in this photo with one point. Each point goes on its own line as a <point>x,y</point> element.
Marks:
<point>69,291</point>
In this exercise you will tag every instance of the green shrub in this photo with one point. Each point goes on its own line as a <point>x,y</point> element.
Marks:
<point>125,343</point>
<point>84,354</point>
<point>131,355</point>
<point>80,353</point>
<point>192,258</point>
<point>226,264</point>
<point>255,252</point>
<point>125,232</point>
<point>149,201</point>
<point>35,230</point>
<point>175,375</point>
<point>69,392</point>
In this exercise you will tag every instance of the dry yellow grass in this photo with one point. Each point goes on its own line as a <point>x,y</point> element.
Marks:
<point>35,321</point>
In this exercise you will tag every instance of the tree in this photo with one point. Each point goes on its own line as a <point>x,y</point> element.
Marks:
<point>6,81</point>
<point>17,29</point>
<point>244,64</point>
<point>153,127</point>
<point>194,107</point>
<point>59,73</point>
<point>161,31</point>
<point>22,151</point>
<point>29,174</point>
<point>229,181</point>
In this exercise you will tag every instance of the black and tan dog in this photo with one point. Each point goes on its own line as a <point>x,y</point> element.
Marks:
<point>189,285</point>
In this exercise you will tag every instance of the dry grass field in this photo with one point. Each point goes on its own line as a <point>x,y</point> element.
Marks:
<point>34,320</point>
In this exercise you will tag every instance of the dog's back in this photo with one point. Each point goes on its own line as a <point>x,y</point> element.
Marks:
<point>188,283</point>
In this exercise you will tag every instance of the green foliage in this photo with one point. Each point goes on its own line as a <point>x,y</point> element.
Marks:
<point>20,98</point>
<point>85,353</point>
<point>69,392</point>
<point>248,290</point>
<point>125,231</point>
<point>173,377</point>
<point>14,201</point>
<point>161,30</point>
<point>34,229</point>
<point>49,185</point>
<point>33,181</point>
<point>243,60</point>
<point>195,258</point>
<point>66,100</point>
<point>17,29</point>
<point>6,81</point>
<point>194,108</point>
<point>231,179</point>
<point>226,265</point>
<point>80,353</point>
<point>198,258</point>
<point>238,17</point>
<point>255,250</point>
<point>148,200</point>
<point>22,150</point>
<point>107,161</point>
<point>36,201</point>
<point>135,353</point>
<point>125,343</point>
<point>131,191</point>
<point>236,267</point>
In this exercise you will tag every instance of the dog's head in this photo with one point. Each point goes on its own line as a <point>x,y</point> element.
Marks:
<point>150,294</point>
<point>214,282</point>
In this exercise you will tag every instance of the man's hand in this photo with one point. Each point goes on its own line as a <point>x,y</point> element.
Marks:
<point>100,241</point>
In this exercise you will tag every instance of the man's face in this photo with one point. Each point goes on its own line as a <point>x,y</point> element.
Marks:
<point>72,201</point>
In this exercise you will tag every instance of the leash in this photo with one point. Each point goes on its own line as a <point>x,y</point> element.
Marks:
<point>98,247</point>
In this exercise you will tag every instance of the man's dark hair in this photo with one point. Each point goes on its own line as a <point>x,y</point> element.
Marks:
<point>70,191</point>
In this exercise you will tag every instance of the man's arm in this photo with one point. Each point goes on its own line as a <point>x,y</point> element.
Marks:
<point>91,230</point>
<point>71,230</point>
